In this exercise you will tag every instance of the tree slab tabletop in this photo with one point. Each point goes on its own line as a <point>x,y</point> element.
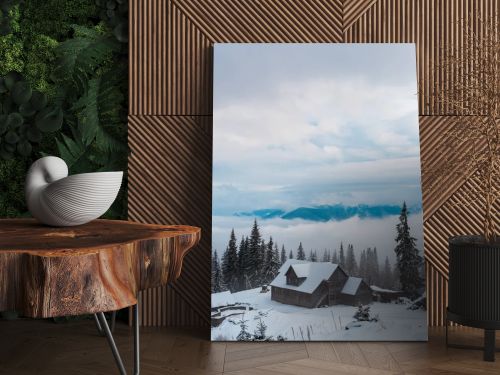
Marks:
<point>100,266</point>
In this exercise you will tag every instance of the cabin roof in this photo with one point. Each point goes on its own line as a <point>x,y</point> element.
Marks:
<point>301,270</point>
<point>351,286</point>
<point>382,290</point>
<point>314,272</point>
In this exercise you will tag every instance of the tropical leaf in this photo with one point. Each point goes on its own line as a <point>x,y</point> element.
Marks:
<point>98,112</point>
<point>74,152</point>
<point>80,56</point>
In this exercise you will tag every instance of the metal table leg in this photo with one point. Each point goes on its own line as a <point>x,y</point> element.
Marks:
<point>102,324</point>
<point>113,324</point>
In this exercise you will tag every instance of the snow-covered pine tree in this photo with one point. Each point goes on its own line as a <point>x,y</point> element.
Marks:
<point>243,263</point>
<point>290,256</point>
<point>387,276</point>
<point>376,267</point>
<point>372,267</point>
<point>351,266</point>
<point>244,335</point>
<point>408,259</point>
<point>363,272</point>
<point>283,254</point>
<point>326,256</point>
<point>261,277</point>
<point>230,263</point>
<point>275,262</point>
<point>216,274</point>
<point>301,255</point>
<point>335,258</point>
<point>260,331</point>
<point>272,263</point>
<point>256,258</point>
<point>342,256</point>
<point>313,257</point>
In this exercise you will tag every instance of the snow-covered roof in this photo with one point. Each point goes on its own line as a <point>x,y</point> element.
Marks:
<point>351,286</point>
<point>301,270</point>
<point>377,289</point>
<point>314,272</point>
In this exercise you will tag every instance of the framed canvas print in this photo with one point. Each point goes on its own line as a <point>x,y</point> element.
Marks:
<point>317,230</point>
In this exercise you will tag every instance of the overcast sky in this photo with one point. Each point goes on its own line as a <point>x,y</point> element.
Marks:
<point>311,124</point>
<point>308,124</point>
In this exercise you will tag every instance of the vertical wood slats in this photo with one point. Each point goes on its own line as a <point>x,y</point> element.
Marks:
<point>170,72</point>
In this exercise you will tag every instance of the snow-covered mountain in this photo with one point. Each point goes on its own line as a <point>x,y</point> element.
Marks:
<point>336,212</point>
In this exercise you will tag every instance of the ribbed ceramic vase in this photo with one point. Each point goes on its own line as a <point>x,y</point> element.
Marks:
<point>56,199</point>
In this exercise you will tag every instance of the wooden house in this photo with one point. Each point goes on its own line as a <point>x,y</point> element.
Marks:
<point>315,284</point>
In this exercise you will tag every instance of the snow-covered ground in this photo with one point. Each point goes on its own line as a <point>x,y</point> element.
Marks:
<point>395,321</point>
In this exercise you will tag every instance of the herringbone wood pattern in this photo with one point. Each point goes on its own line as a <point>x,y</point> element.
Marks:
<point>171,64</point>
<point>42,347</point>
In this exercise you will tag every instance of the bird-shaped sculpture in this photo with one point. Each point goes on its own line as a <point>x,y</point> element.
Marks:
<point>56,199</point>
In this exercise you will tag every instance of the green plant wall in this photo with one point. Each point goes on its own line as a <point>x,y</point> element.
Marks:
<point>63,91</point>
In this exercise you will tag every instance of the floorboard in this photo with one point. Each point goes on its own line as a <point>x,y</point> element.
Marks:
<point>42,347</point>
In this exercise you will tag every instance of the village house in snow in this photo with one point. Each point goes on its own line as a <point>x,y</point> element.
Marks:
<point>315,284</point>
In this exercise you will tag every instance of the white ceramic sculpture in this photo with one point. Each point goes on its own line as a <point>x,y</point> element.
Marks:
<point>56,199</point>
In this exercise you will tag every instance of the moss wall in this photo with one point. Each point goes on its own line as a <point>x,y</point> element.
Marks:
<point>63,91</point>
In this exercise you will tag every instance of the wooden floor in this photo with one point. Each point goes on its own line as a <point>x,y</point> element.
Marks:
<point>42,347</point>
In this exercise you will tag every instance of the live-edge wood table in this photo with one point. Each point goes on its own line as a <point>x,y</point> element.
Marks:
<point>89,269</point>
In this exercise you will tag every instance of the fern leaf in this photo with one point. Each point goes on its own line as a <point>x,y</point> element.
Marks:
<point>98,114</point>
<point>80,56</point>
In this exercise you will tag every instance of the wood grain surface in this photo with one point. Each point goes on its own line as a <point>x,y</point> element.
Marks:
<point>99,266</point>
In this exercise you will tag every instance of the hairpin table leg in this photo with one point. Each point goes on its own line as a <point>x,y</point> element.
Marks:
<point>102,325</point>
<point>113,324</point>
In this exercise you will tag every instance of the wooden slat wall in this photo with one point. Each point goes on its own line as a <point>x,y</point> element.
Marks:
<point>170,122</point>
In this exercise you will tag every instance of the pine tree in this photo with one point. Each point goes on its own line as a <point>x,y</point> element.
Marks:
<point>272,264</point>
<point>372,268</point>
<point>376,267</point>
<point>255,254</point>
<point>283,254</point>
<point>301,255</point>
<point>387,277</point>
<point>313,257</point>
<point>260,331</point>
<point>363,272</point>
<point>216,274</point>
<point>335,258</point>
<point>351,266</point>
<point>408,259</point>
<point>261,271</point>
<point>326,256</point>
<point>290,256</point>
<point>230,263</point>
<point>342,256</point>
<point>244,335</point>
<point>243,263</point>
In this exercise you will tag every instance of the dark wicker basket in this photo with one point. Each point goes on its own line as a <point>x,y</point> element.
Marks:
<point>474,283</point>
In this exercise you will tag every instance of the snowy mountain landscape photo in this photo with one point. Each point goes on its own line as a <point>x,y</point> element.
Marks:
<point>317,224</point>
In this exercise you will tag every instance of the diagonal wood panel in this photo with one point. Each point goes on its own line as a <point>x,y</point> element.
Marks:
<point>353,9</point>
<point>170,163</point>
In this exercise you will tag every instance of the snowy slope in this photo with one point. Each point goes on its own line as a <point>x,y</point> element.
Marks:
<point>395,321</point>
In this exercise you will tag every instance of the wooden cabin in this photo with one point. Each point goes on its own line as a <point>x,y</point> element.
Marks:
<point>315,284</point>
